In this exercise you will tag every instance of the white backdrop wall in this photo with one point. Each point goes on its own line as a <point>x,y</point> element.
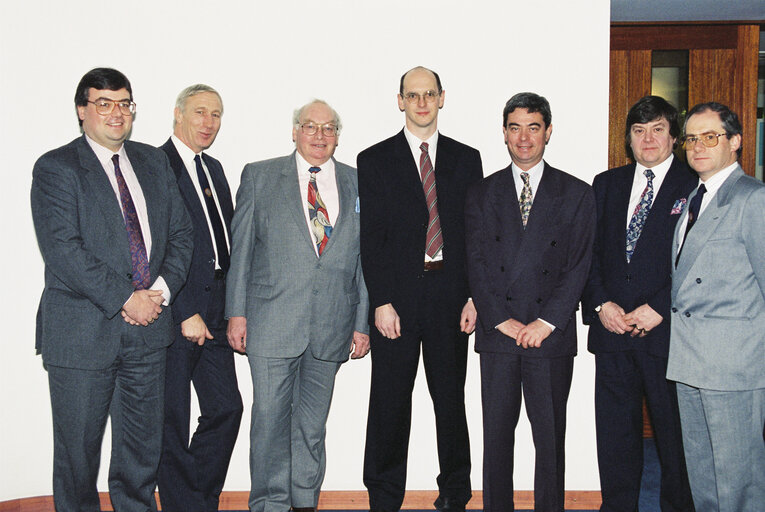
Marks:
<point>266,58</point>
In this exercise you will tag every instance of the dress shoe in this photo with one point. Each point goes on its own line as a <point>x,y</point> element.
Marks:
<point>303,509</point>
<point>446,504</point>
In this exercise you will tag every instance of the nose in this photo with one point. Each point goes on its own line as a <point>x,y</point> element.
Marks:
<point>320,133</point>
<point>421,101</point>
<point>648,135</point>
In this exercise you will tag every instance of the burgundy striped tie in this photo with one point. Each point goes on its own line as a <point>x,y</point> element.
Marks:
<point>433,240</point>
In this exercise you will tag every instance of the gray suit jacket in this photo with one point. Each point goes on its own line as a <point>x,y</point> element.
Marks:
<point>718,292</point>
<point>292,298</point>
<point>83,241</point>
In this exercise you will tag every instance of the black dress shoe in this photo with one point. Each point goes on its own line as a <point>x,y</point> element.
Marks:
<point>303,509</point>
<point>446,504</point>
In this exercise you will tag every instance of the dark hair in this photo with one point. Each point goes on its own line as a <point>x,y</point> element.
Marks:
<point>532,103</point>
<point>100,78</point>
<point>729,119</point>
<point>647,109</point>
<point>401,83</point>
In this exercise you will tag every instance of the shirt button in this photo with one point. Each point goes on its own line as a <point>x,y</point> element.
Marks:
<point>698,280</point>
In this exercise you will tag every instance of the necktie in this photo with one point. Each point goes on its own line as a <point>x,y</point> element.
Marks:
<point>526,198</point>
<point>317,213</point>
<point>693,214</point>
<point>640,214</point>
<point>212,210</point>
<point>433,238</point>
<point>141,276</point>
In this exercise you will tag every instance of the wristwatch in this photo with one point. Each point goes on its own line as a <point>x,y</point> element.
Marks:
<point>599,307</point>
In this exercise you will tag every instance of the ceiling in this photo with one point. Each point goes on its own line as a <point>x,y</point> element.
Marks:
<point>687,10</point>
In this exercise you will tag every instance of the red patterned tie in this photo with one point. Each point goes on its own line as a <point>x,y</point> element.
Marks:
<point>433,240</point>
<point>141,276</point>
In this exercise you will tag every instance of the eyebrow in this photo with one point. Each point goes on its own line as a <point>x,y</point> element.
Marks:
<point>530,124</point>
<point>110,99</point>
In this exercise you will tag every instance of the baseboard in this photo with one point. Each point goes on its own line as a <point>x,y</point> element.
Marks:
<point>334,500</point>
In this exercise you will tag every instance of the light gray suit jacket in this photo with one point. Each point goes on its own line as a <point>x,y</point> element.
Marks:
<point>718,292</point>
<point>292,298</point>
<point>88,269</point>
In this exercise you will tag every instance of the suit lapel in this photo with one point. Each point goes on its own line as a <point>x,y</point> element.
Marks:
<point>346,201</point>
<point>290,189</point>
<point>186,186</point>
<point>408,174</point>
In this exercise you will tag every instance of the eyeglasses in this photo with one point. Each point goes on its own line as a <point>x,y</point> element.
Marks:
<point>429,96</point>
<point>709,140</point>
<point>105,107</point>
<point>327,129</point>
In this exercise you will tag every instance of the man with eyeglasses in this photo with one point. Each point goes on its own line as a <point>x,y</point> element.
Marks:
<point>626,304</point>
<point>717,342</point>
<point>117,242</point>
<point>192,471</point>
<point>296,303</point>
<point>412,191</point>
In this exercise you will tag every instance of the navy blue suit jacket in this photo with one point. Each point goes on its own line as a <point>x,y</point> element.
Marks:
<point>646,279</point>
<point>195,295</point>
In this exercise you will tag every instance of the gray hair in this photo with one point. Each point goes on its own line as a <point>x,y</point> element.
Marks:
<point>193,90</point>
<point>298,113</point>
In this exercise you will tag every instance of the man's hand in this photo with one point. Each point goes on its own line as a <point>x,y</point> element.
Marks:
<point>642,320</point>
<point>387,321</point>
<point>142,307</point>
<point>237,333</point>
<point>359,345</point>
<point>468,317</point>
<point>510,328</point>
<point>195,330</point>
<point>533,334</point>
<point>612,317</point>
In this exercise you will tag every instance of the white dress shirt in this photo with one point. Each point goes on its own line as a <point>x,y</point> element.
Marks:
<point>326,183</point>
<point>104,156</point>
<point>639,181</point>
<point>187,156</point>
<point>414,146</point>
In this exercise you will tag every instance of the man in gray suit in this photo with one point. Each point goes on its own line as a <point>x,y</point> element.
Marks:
<point>117,242</point>
<point>717,343</point>
<point>297,303</point>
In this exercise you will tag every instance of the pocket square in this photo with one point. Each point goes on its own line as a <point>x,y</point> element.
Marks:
<point>357,205</point>
<point>677,208</point>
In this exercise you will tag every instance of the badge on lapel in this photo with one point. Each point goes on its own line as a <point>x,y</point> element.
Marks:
<point>357,205</point>
<point>677,208</point>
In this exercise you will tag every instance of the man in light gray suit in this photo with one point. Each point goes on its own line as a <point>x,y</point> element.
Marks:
<point>117,243</point>
<point>297,303</point>
<point>717,343</point>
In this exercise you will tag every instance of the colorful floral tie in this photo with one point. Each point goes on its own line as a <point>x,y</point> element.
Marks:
<point>526,199</point>
<point>317,213</point>
<point>640,214</point>
<point>141,276</point>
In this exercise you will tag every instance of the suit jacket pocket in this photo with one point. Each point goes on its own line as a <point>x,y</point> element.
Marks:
<point>262,291</point>
<point>353,297</point>
<point>727,317</point>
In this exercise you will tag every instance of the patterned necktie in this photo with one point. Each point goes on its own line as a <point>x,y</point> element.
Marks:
<point>433,238</point>
<point>141,276</point>
<point>212,211</point>
<point>526,198</point>
<point>640,214</point>
<point>693,215</point>
<point>317,213</point>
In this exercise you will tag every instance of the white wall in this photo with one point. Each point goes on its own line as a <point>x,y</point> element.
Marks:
<point>266,58</point>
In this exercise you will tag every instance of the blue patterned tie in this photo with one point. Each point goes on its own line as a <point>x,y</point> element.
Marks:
<point>141,276</point>
<point>640,214</point>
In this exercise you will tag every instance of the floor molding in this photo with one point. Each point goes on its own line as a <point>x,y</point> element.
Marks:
<point>334,500</point>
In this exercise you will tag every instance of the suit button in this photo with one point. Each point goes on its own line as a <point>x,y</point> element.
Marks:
<point>553,243</point>
<point>674,310</point>
<point>545,272</point>
<point>502,268</point>
<point>315,292</point>
<point>688,314</point>
<point>424,225</point>
<point>211,262</point>
<point>539,301</point>
<point>698,280</point>
<point>207,288</point>
<point>628,277</point>
<point>508,299</point>
<point>129,275</point>
<point>497,238</point>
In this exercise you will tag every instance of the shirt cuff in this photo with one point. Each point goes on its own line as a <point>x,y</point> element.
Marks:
<point>160,284</point>
<point>548,324</point>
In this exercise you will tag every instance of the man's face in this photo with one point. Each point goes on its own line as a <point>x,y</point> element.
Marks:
<point>318,148</point>
<point>198,123</point>
<point>651,142</point>
<point>421,114</point>
<point>709,161</point>
<point>108,130</point>
<point>526,136</point>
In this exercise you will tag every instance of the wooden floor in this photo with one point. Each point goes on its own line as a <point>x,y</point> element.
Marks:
<point>335,500</point>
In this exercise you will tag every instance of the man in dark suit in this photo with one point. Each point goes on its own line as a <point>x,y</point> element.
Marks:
<point>191,475</point>
<point>626,304</point>
<point>297,303</point>
<point>117,242</point>
<point>412,191</point>
<point>529,229</point>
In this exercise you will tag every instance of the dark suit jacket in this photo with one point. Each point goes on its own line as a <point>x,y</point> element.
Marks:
<point>83,241</point>
<point>195,296</point>
<point>534,273</point>
<point>646,279</point>
<point>394,219</point>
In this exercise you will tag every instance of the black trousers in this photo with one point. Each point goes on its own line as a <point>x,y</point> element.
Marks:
<point>191,474</point>
<point>394,368</point>
<point>621,379</point>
